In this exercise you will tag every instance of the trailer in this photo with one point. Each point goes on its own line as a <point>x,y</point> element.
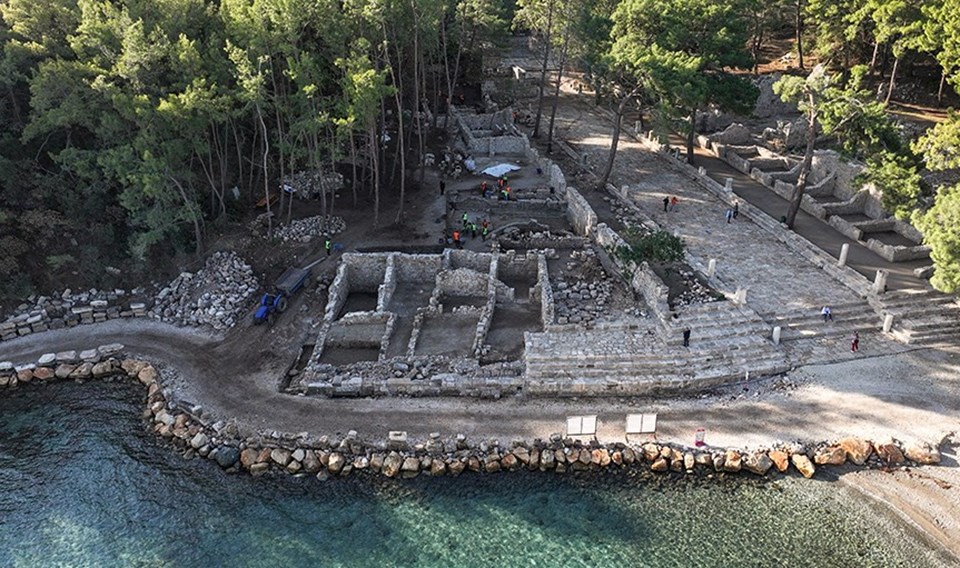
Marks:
<point>274,303</point>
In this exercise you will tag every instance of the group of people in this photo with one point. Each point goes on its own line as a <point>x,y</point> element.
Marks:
<point>670,203</point>
<point>827,314</point>
<point>504,193</point>
<point>482,228</point>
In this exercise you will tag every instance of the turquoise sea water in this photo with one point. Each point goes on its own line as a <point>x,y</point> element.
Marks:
<point>82,484</point>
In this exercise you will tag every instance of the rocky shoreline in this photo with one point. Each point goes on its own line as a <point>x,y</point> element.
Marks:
<point>324,457</point>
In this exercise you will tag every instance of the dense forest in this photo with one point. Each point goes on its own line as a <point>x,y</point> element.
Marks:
<point>129,128</point>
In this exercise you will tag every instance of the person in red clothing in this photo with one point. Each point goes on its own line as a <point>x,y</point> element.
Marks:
<point>456,239</point>
<point>483,188</point>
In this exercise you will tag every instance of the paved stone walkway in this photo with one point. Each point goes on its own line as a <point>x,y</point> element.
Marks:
<point>776,278</point>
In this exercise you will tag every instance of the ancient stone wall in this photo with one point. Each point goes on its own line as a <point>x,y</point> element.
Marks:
<point>581,216</point>
<point>389,286</point>
<point>463,282</point>
<point>419,268</point>
<point>337,294</point>
<point>366,270</point>
<point>469,259</point>
<point>69,309</point>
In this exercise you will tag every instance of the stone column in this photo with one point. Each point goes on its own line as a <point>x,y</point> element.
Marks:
<point>887,323</point>
<point>728,184</point>
<point>844,251</point>
<point>711,268</point>
<point>880,281</point>
<point>776,335</point>
<point>740,297</point>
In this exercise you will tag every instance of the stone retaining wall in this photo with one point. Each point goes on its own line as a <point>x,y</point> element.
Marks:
<point>189,429</point>
<point>69,309</point>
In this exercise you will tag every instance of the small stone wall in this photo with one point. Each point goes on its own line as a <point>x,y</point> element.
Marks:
<point>462,282</point>
<point>69,309</point>
<point>366,271</point>
<point>544,292</point>
<point>337,295</point>
<point>421,268</point>
<point>479,262</point>
<point>581,216</point>
<point>386,290</point>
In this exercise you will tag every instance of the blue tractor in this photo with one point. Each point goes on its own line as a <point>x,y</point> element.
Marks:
<point>274,303</point>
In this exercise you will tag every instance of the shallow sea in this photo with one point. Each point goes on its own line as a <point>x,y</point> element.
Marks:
<point>83,484</point>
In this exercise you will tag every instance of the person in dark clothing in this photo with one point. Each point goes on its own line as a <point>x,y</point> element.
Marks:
<point>666,203</point>
<point>328,245</point>
<point>443,186</point>
<point>686,337</point>
<point>736,209</point>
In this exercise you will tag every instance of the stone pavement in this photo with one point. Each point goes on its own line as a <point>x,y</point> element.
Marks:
<point>775,277</point>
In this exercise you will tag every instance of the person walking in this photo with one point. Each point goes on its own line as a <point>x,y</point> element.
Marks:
<point>443,186</point>
<point>736,209</point>
<point>328,245</point>
<point>466,219</point>
<point>729,215</point>
<point>666,202</point>
<point>855,342</point>
<point>473,230</point>
<point>456,240</point>
<point>686,337</point>
<point>827,314</point>
<point>673,203</point>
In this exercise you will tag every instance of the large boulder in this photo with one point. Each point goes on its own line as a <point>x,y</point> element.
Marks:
<point>889,452</point>
<point>922,453</point>
<point>392,464</point>
<point>857,450</point>
<point>758,463</point>
<point>803,465</point>
<point>336,462</point>
<point>736,134</point>
<point>830,455</point>
<point>732,461</point>
<point>780,459</point>
<point>227,456</point>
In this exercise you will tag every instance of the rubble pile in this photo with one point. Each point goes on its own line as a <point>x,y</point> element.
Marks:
<point>214,296</point>
<point>587,298</point>
<point>694,291</point>
<point>311,183</point>
<point>305,230</point>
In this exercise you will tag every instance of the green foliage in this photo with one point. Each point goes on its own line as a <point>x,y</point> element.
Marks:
<point>897,177</point>
<point>682,52</point>
<point>659,246</point>
<point>940,145</point>
<point>57,262</point>
<point>939,225</point>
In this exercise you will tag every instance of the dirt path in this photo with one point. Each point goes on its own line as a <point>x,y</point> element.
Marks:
<point>868,397</point>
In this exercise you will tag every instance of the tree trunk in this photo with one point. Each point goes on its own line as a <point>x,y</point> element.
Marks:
<point>198,234</point>
<point>943,79</point>
<point>873,59</point>
<point>691,135</point>
<point>893,80</point>
<point>556,92</point>
<point>543,72</point>
<point>797,198</point>
<point>617,123</point>
<point>375,165</point>
<point>266,178</point>
<point>799,34</point>
<point>353,165</point>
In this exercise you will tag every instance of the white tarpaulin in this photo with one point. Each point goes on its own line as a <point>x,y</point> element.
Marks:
<point>500,169</point>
